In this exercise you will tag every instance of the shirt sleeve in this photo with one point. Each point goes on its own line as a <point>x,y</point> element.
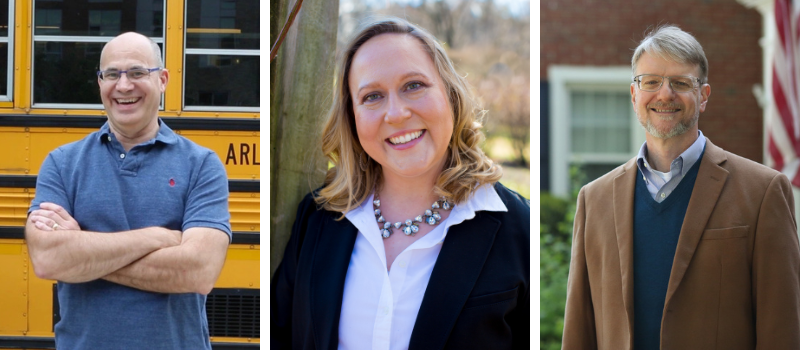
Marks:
<point>207,202</point>
<point>50,184</point>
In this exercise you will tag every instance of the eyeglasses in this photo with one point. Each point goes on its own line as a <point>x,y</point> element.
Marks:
<point>133,73</point>
<point>679,83</point>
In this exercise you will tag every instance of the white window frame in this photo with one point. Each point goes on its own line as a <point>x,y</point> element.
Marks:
<point>563,81</point>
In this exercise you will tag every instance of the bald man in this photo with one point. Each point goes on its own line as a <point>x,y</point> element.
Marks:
<point>132,221</point>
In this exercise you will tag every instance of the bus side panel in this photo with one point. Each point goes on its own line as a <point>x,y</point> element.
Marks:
<point>243,206</point>
<point>15,144</point>
<point>14,203</point>
<point>13,287</point>
<point>241,267</point>
<point>238,150</point>
<point>41,306</point>
<point>245,211</point>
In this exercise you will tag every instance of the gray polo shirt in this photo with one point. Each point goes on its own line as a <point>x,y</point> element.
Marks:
<point>168,181</point>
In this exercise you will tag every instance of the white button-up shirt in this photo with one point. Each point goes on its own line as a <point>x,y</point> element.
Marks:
<point>379,307</point>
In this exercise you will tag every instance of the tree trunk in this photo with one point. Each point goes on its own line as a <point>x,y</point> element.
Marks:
<point>301,78</point>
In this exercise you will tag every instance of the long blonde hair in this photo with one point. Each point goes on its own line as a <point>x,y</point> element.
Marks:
<point>354,174</point>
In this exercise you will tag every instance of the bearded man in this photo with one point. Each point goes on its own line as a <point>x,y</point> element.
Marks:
<point>685,246</point>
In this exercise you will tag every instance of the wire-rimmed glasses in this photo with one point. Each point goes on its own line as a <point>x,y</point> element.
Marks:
<point>133,73</point>
<point>679,83</point>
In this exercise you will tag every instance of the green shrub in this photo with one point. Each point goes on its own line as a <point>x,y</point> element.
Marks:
<point>555,242</point>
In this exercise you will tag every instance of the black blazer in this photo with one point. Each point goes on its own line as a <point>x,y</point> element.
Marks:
<point>478,296</point>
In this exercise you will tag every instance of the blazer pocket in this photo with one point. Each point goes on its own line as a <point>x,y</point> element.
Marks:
<point>492,298</point>
<point>725,233</point>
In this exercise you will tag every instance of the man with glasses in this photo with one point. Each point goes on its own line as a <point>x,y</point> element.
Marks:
<point>132,221</point>
<point>685,246</point>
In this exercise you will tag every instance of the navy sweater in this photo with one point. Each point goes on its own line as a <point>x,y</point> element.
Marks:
<point>656,228</point>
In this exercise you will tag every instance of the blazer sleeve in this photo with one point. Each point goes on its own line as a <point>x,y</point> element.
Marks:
<point>776,269</point>
<point>283,282</point>
<point>579,327</point>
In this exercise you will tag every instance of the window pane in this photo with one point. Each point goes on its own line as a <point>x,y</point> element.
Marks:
<point>99,17</point>
<point>213,80</point>
<point>4,18</point>
<point>3,69</point>
<point>65,72</point>
<point>104,22</point>
<point>48,21</point>
<point>222,24</point>
<point>600,121</point>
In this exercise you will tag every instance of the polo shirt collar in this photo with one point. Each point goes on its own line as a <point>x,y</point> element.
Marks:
<point>164,135</point>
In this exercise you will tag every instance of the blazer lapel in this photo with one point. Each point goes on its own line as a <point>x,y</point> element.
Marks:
<point>707,188</point>
<point>624,187</point>
<point>457,268</point>
<point>331,260</point>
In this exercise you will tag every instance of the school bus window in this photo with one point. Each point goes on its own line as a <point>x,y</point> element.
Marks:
<point>68,37</point>
<point>222,49</point>
<point>64,72</point>
<point>220,24</point>
<point>79,18</point>
<point>6,50</point>
<point>228,81</point>
<point>4,73</point>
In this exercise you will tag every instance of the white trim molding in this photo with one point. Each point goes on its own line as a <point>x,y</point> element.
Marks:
<point>563,80</point>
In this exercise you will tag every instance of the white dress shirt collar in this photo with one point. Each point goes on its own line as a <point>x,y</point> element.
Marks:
<point>380,307</point>
<point>483,198</point>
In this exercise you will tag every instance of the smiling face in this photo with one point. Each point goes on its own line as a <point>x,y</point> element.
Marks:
<point>665,114</point>
<point>132,105</point>
<point>402,114</point>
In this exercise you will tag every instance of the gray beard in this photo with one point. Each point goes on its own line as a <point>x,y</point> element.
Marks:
<point>677,130</point>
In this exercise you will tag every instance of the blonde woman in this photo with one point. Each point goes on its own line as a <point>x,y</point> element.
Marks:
<point>411,243</point>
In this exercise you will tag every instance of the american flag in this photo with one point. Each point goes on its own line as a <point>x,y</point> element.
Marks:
<point>783,115</point>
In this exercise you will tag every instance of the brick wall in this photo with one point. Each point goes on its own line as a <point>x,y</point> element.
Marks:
<point>604,33</point>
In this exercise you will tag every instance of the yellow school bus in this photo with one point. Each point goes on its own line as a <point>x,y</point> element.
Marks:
<point>49,96</point>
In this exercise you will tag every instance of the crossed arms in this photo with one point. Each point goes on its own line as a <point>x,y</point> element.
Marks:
<point>154,259</point>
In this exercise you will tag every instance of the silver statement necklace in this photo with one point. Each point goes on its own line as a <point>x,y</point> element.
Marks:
<point>430,216</point>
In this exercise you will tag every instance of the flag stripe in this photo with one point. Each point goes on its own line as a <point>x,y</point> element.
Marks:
<point>782,106</point>
<point>774,152</point>
<point>783,133</point>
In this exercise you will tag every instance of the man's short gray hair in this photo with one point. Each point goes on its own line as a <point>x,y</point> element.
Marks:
<point>156,53</point>
<point>671,43</point>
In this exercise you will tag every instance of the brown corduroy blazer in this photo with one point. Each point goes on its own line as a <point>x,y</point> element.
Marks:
<point>735,279</point>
